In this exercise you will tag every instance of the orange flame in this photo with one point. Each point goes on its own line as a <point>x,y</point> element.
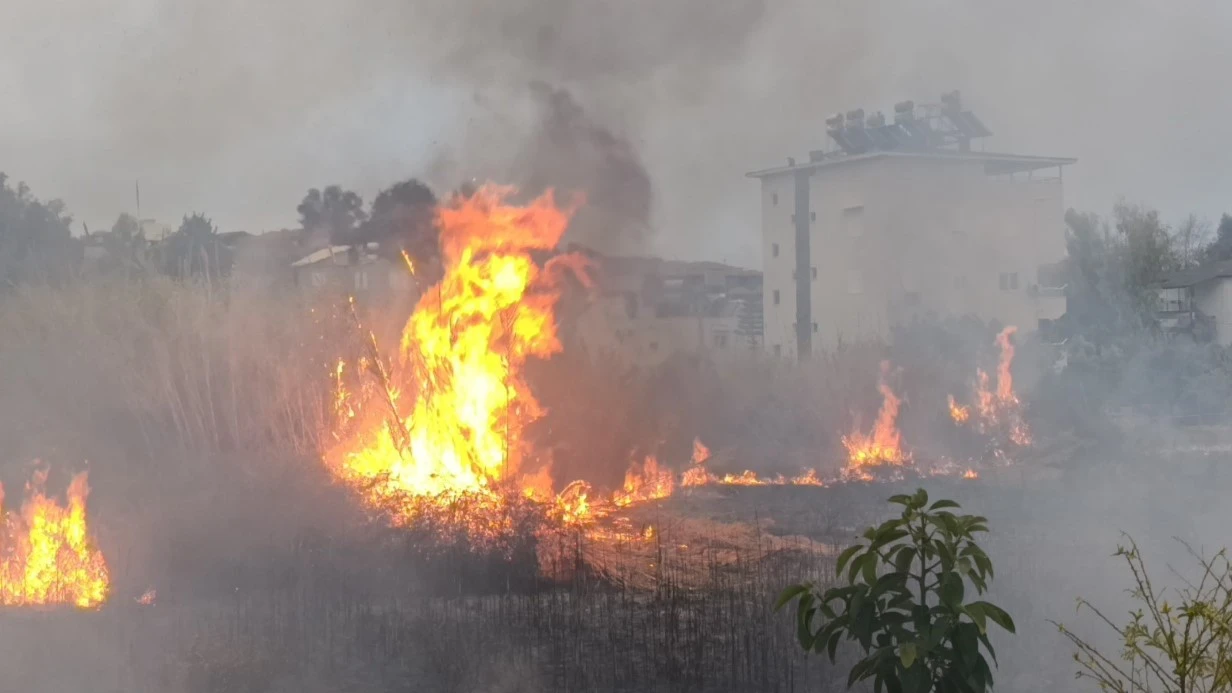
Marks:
<point>46,553</point>
<point>645,482</point>
<point>697,474</point>
<point>883,446</point>
<point>958,412</point>
<point>448,416</point>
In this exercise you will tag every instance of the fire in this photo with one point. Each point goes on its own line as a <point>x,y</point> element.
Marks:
<point>999,409</point>
<point>958,412</point>
<point>971,474</point>
<point>448,413</point>
<point>46,553</point>
<point>697,474</point>
<point>148,597</point>
<point>645,482</point>
<point>883,445</point>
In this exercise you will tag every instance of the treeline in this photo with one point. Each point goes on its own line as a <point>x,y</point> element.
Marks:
<point>37,244</point>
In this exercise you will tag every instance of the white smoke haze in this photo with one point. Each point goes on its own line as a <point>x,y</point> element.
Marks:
<point>655,110</point>
<point>237,108</point>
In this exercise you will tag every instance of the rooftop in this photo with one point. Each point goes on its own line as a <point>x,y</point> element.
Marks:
<point>1198,275</point>
<point>994,163</point>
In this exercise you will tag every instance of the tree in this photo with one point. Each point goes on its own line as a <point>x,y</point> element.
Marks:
<point>1190,240</point>
<point>35,238</point>
<point>1221,248</point>
<point>903,603</point>
<point>195,249</point>
<point>1147,253</point>
<point>125,244</point>
<point>403,218</point>
<point>338,211</point>
<point>1177,645</point>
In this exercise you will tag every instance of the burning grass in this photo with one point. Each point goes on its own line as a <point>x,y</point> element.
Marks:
<point>47,553</point>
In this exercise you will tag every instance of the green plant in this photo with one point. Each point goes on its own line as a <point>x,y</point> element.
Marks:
<point>903,603</point>
<point>1181,646</point>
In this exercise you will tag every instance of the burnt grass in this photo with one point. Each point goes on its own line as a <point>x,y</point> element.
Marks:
<point>383,614</point>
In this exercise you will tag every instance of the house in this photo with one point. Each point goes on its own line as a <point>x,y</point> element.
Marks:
<point>646,309</point>
<point>1198,302</point>
<point>905,219</point>
<point>352,270</point>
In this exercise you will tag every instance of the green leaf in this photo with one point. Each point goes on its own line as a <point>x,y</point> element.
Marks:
<point>943,503</point>
<point>832,644</point>
<point>906,654</point>
<point>789,594</point>
<point>870,568</point>
<point>996,615</point>
<point>900,499</point>
<point>903,559</point>
<point>976,611</point>
<point>846,556</point>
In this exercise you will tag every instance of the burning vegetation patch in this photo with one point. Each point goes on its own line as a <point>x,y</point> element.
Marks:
<point>47,556</point>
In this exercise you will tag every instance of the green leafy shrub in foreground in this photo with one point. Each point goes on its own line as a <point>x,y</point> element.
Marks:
<point>903,603</point>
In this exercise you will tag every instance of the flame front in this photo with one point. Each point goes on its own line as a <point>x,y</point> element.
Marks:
<point>999,410</point>
<point>447,416</point>
<point>645,482</point>
<point>883,445</point>
<point>958,412</point>
<point>47,556</point>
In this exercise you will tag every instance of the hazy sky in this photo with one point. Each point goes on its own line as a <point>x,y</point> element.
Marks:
<point>236,108</point>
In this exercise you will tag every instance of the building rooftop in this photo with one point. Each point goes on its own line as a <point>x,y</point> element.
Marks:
<point>994,163</point>
<point>1197,275</point>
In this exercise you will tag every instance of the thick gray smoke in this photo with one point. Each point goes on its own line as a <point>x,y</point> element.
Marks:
<point>237,108</point>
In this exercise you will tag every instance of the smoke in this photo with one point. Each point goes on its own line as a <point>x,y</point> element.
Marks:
<point>237,109</point>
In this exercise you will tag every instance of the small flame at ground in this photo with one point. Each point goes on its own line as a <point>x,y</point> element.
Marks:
<point>47,555</point>
<point>959,413</point>
<point>999,410</point>
<point>148,597</point>
<point>883,445</point>
<point>645,482</point>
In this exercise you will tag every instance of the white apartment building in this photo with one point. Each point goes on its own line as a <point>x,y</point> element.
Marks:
<point>906,220</point>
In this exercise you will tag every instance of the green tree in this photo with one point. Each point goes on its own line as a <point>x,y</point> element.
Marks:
<point>1221,248</point>
<point>904,603</point>
<point>195,249</point>
<point>403,218</point>
<point>1190,240</point>
<point>1176,641</point>
<point>35,240</point>
<point>338,211</point>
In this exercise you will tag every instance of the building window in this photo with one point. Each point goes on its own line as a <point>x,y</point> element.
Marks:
<point>853,220</point>
<point>361,280</point>
<point>720,340</point>
<point>814,274</point>
<point>776,297</point>
<point>774,199</point>
<point>778,350</point>
<point>774,250</point>
<point>855,282</point>
<point>1009,281</point>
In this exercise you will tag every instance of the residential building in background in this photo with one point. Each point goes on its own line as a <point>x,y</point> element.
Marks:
<point>904,219</point>
<point>646,309</point>
<point>1198,303</point>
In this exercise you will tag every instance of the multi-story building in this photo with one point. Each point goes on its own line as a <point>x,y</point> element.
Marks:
<point>647,309</point>
<point>904,219</point>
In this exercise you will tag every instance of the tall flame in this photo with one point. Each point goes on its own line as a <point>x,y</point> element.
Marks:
<point>648,481</point>
<point>46,553</point>
<point>999,409</point>
<point>883,445</point>
<point>450,411</point>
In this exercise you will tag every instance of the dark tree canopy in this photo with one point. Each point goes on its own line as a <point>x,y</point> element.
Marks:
<point>196,249</point>
<point>403,218</point>
<point>35,240</point>
<point>1221,248</point>
<point>338,211</point>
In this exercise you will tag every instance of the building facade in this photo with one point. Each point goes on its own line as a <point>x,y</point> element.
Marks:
<point>855,242</point>
<point>645,310</point>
